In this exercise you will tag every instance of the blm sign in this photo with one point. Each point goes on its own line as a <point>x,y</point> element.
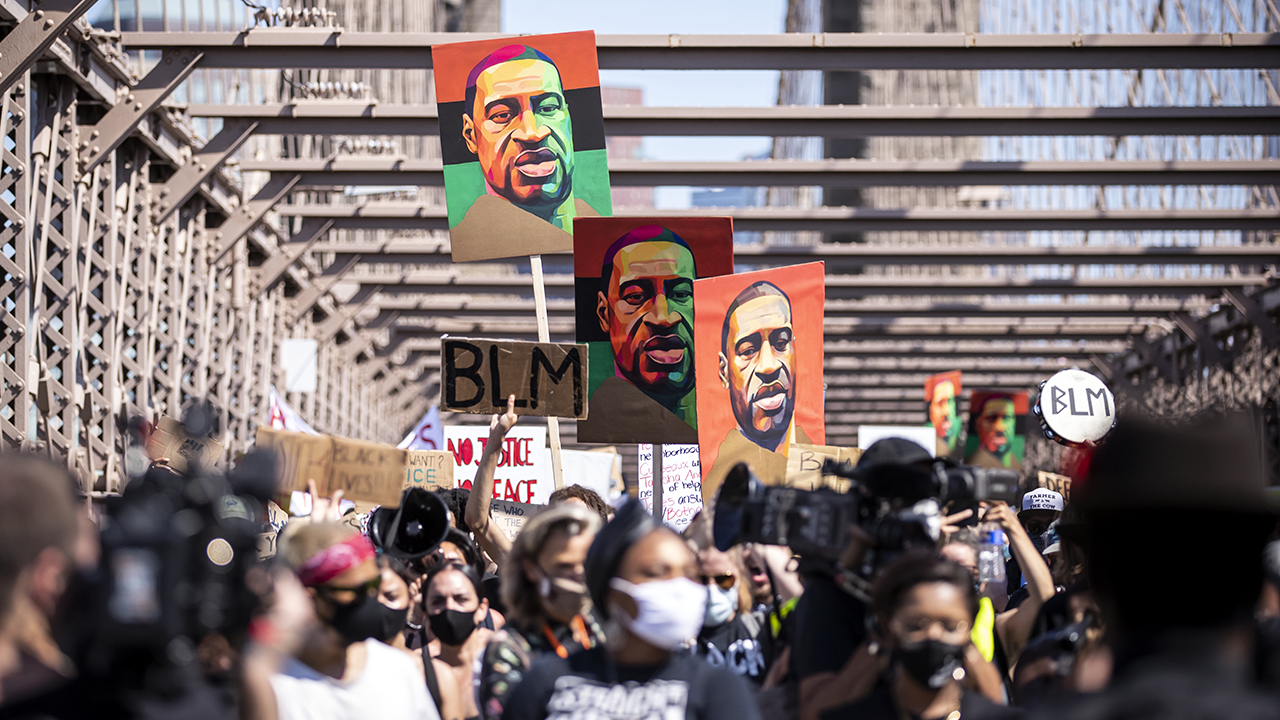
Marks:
<point>548,379</point>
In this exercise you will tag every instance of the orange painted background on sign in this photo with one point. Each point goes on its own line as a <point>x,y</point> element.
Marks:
<point>573,53</point>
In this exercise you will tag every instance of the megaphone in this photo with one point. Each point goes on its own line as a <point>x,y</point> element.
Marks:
<point>412,530</point>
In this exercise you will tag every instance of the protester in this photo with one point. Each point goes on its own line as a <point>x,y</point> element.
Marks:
<point>338,669</point>
<point>38,531</point>
<point>732,635</point>
<point>1180,649</point>
<point>395,594</point>
<point>640,577</point>
<point>586,497</point>
<point>455,606</point>
<point>924,607</point>
<point>550,614</point>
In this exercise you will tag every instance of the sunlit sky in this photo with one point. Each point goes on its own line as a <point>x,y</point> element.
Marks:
<point>666,88</point>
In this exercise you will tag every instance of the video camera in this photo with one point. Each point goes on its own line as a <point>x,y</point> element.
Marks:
<point>897,505</point>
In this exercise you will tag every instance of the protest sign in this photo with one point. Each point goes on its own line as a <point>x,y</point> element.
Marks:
<point>548,379</point>
<point>524,464</point>
<point>922,436</point>
<point>170,440</point>
<point>591,470</point>
<point>682,483</point>
<point>367,471</point>
<point>510,517</point>
<point>299,457</point>
<point>428,469</point>
<point>1058,483</point>
<point>804,466</point>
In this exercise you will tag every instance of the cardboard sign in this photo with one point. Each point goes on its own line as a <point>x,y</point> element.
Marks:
<point>266,545</point>
<point>682,483</point>
<point>367,471</point>
<point>804,466</point>
<point>1055,482</point>
<point>510,517</point>
<point>428,469</point>
<point>548,379</point>
<point>170,440</point>
<point>299,457</point>
<point>591,470</point>
<point>524,464</point>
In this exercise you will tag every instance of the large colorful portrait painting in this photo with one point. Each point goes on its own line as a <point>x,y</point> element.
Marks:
<point>997,429</point>
<point>942,397</point>
<point>633,280</point>
<point>759,363</point>
<point>522,138</point>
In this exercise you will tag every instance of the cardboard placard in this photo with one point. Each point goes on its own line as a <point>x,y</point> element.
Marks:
<point>1055,482</point>
<point>367,471</point>
<point>804,466</point>
<point>428,469</point>
<point>510,517</point>
<point>170,440</point>
<point>299,457</point>
<point>548,379</point>
<point>524,463</point>
<point>682,483</point>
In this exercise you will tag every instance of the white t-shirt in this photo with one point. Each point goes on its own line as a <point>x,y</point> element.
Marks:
<point>389,688</point>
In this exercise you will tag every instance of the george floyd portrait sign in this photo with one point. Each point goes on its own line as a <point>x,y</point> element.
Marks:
<point>942,398</point>
<point>997,429</point>
<point>758,339</point>
<point>633,283</point>
<point>522,138</point>
<point>548,379</point>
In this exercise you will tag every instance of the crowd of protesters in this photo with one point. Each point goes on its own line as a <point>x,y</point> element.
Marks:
<point>1154,592</point>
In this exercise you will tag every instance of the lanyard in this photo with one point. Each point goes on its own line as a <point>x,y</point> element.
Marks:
<point>580,635</point>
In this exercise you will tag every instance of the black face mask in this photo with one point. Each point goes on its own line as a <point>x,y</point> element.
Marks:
<point>453,627</point>
<point>359,619</point>
<point>932,663</point>
<point>392,622</point>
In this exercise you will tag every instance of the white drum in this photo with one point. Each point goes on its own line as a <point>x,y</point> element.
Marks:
<point>1075,407</point>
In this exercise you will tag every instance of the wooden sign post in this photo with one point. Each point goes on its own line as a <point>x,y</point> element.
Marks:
<point>544,335</point>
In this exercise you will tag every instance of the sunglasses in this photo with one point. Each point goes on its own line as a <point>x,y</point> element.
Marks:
<point>368,588</point>
<point>724,581</point>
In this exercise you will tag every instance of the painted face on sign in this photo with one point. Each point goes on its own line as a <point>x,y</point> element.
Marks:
<point>518,126</point>
<point>996,426</point>
<point>942,412</point>
<point>757,365</point>
<point>647,310</point>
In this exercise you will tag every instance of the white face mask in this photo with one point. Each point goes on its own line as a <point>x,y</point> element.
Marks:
<point>720,605</point>
<point>669,612</point>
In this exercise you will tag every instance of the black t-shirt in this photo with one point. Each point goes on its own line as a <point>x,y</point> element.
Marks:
<point>590,686</point>
<point>830,625</point>
<point>740,645</point>
<point>879,705</point>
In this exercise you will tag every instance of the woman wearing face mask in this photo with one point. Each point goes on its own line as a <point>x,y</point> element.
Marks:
<point>396,597</point>
<point>340,670</point>
<point>641,578</point>
<point>731,635</point>
<point>924,610</point>
<point>543,583</point>
<point>454,600</point>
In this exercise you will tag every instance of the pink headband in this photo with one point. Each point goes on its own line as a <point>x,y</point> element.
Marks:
<point>335,560</point>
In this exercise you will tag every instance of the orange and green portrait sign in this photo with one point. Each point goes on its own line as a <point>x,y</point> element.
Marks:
<point>522,138</point>
<point>633,281</point>
<point>758,339</point>
<point>942,399</point>
<point>997,429</point>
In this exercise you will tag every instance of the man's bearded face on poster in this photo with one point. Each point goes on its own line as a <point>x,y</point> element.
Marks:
<point>517,123</point>
<point>646,306</point>
<point>942,412</point>
<point>757,364</point>
<point>996,425</point>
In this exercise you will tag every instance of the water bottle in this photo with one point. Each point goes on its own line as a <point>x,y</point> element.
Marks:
<point>991,557</point>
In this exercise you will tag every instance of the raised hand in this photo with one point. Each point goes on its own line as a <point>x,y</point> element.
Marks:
<point>500,424</point>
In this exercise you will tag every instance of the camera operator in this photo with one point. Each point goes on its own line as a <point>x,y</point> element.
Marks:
<point>924,607</point>
<point>1188,651</point>
<point>338,669</point>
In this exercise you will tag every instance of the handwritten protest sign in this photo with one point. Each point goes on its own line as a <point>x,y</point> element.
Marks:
<point>299,457</point>
<point>1055,482</point>
<point>547,379</point>
<point>428,469</point>
<point>170,440</point>
<point>524,465</point>
<point>367,471</point>
<point>682,483</point>
<point>804,466</point>
<point>510,517</point>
